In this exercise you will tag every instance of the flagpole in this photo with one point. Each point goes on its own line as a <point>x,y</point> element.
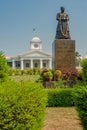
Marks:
<point>34,31</point>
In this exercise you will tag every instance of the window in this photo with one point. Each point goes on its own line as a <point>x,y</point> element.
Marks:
<point>27,65</point>
<point>10,64</point>
<point>35,65</point>
<point>17,63</point>
<point>44,64</point>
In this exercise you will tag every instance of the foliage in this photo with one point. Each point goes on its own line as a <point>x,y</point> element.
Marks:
<point>34,71</point>
<point>77,54</point>
<point>84,69</point>
<point>60,98</point>
<point>58,84</point>
<point>29,71</point>
<point>39,80</point>
<point>66,78</point>
<point>47,75</point>
<point>3,67</point>
<point>57,75</point>
<point>80,75</point>
<point>70,75</point>
<point>80,99</point>
<point>21,106</point>
<point>44,71</point>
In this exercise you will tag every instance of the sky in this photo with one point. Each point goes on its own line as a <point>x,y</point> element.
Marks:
<point>18,18</point>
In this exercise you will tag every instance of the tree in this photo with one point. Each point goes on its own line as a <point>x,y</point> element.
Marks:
<point>3,67</point>
<point>78,58</point>
<point>77,54</point>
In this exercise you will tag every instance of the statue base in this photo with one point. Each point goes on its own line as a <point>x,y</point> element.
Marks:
<point>64,54</point>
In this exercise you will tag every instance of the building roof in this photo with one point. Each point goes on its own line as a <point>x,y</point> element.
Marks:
<point>7,57</point>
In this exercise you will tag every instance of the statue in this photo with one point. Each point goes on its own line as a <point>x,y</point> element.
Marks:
<point>62,31</point>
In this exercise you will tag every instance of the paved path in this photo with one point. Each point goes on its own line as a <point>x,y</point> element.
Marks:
<point>61,119</point>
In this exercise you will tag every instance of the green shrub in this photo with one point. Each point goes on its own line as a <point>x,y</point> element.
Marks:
<point>29,71</point>
<point>80,75</point>
<point>80,99</point>
<point>11,71</point>
<point>84,69</point>
<point>58,84</point>
<point>47,76</point>
<point>39,80</point>
<point>3,68</point>
<point>36,71</point>
<point>60,98</point>
<point>21,106</point>
<point>57,75</point>
<point>44,70</point>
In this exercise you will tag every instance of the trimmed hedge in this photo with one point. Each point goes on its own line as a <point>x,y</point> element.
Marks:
<point>60,98</point>
<point>35,71</point>
<point>21,106</point>
<point>84,70</point>
<point>80,99</point>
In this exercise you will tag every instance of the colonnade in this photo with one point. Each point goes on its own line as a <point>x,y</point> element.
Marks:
<point>22,66</point>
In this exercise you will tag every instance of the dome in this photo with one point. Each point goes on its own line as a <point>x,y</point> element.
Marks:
<point>35,40</point>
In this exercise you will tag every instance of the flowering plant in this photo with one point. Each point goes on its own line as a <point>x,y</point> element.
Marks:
<point>70,75</point>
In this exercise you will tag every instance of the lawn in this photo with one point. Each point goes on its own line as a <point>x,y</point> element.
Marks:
<point>30,78</point>
<point>61,119</point>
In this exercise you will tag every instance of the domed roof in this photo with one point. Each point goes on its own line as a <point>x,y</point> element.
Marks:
<point>36,39</point>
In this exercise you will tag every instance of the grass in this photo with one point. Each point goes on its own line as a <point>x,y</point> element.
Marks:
<point>30,78</point>
<point>61,119</point>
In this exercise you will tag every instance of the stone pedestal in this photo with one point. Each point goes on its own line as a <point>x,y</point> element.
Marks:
<point>64,54</point>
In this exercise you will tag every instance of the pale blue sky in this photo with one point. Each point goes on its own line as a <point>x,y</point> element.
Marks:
<point>19,17</point>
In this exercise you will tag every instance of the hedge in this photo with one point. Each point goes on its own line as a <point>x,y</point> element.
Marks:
<point>4,69</point>
<point>35,71</point>
<point>84,70</point>
<point>60,98</point>
<point>21,106</point>
<point>80,99</point>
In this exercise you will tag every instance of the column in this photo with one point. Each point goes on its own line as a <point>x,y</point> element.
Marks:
<point>41,63</point>
<point>22,64</point>
<point>50,64</point>
<point>13,64</point>
<point>31,63</point>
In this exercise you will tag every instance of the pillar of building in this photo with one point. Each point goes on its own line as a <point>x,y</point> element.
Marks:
<point>41,63</point>
<point>50,64</point>
<point>13,64</point>
<point>31,64</point>
<point>22,64</point>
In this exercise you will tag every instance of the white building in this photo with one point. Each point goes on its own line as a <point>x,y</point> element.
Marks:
<point>35,58</point>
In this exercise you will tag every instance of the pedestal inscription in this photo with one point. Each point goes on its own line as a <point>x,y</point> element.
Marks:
<point>64,54</point>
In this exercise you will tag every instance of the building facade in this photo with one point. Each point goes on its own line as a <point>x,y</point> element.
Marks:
<point>35,58</point>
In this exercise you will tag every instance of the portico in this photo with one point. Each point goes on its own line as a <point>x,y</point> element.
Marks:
<point>31,63</point>
<point>35,58</point>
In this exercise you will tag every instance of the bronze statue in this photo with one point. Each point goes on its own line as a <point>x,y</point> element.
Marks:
<point>62,31</point>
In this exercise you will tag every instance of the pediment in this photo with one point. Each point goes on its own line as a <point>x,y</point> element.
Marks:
<point>36,54</point>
